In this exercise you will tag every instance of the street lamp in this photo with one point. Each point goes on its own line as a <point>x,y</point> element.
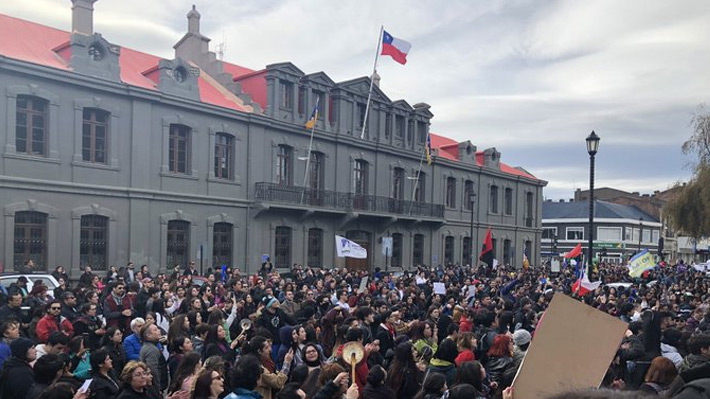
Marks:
<point>472,201</point>
<point>592,147</point>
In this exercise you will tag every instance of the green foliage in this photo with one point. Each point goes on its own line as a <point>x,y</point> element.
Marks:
<point>689,210</point>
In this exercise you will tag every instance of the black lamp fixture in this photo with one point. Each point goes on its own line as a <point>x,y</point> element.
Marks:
<point>592,147</point>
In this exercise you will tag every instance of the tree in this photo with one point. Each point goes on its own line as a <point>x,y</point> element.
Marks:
<point>689,210</point>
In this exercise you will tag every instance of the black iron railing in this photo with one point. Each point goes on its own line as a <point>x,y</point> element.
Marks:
<point>273,192</point>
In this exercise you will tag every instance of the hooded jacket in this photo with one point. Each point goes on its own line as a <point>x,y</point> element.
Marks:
<point>16,378</point>
<point>444,367</point>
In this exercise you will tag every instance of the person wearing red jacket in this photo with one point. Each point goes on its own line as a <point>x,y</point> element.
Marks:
<point>53,321</point>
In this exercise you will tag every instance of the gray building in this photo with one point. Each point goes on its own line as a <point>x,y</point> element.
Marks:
<point>620,230</point>
<point>111,155</point>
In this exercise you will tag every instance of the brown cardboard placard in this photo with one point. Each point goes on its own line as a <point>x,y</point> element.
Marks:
<point>572,349</point>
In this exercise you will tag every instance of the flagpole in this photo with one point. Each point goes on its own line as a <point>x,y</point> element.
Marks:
<point>416,182</point>
<point>372,80</point>
<point>310,147</point>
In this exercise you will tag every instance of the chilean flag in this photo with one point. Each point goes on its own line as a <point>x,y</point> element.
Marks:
<point>395,48</point>
<point>583,286</point>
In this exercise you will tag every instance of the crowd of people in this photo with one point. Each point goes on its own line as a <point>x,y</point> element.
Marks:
<point>125,333</point>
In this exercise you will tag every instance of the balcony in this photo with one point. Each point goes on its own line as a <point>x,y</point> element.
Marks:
<point>312,198</point>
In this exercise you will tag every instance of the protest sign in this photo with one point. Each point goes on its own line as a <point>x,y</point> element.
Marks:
<point>572,349</point>
<point>439,288</point>
<point>363,284</point>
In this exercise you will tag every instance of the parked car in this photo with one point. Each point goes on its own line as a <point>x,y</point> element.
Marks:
<point>46,279</point>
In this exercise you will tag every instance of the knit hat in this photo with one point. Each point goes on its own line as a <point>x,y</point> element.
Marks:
<point>521,337</point>
<point>20,346</point>
<point>272,302</point>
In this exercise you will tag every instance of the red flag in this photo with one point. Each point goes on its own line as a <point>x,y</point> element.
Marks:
<point>575,252</point>
<point>487,251</point>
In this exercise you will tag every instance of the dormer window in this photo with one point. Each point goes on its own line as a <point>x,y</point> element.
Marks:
<point>97,52</point>
<point>180,74</point>
<point>469,150</point>
<point>494,156</point>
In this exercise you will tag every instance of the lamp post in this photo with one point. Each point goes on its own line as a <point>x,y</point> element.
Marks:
<point>592,147</point>
<point>472,201</point>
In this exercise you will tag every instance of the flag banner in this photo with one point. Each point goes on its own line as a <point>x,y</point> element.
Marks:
<point>487,251</point>
<point>349,249</point>
<point>583,286</point>
<point>641,262</point>
<point>395,48</point>
<point>575,252</point>
<point>314,116</point>
<point>526,262</point>
<point>428,149</point>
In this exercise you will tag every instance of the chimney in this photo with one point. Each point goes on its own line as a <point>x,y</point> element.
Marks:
<point>82,18</point>
<point>193,21</point>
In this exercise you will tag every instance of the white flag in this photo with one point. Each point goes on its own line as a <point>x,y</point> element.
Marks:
<point>346,248</point>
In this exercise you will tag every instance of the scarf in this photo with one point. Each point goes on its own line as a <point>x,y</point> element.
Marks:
<point>269,364</point>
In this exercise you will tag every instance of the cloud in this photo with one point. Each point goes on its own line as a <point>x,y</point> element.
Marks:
<point>528,77</point>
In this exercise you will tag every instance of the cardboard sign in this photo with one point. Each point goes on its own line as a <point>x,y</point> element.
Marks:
<point>555,266</point>
<point>363,284</point>
<point>572,349</point>
<point>439,288</point>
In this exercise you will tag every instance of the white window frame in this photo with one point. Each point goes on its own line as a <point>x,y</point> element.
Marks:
<point>554,229</point>
<point>655,234</point>
<point>571,229</point>
<point>628,234</point>
<point>608,228</point>
<point>646,236</point>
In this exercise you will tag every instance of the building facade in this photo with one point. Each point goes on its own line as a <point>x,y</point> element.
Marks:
<point>620,230</point>
<point>111,155</point>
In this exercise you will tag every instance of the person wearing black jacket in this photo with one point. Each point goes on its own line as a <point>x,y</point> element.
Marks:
<point>17,376</point>
<point>273,318</point>
<point>103,386</point>
<point>113,345</point>
<point>46,370</point>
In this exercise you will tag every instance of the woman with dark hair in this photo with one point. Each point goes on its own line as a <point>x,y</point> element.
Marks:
<point>376,387</point>
<point>312,358</point>
<point>332,382</point>
<point>472,373</point>
<point>180,327</point>
<point>195,318</point>
<point>103,386</point>
<point>216,345</point>
<point>113,344</point>
<point>404,377</point>
<point>79,355</point>
<point>423,334</point>
<point>186,373</point>
<point>209,385</point>
<point>271,380</point>
<point>433,388</point>
<point>181,346</point>
<point>659,377</point>
<point>443,361</point>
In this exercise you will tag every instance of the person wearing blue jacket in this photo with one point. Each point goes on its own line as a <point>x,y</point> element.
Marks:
<point>132,343</point>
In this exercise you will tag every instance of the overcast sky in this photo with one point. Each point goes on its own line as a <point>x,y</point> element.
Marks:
<point>531,78</point>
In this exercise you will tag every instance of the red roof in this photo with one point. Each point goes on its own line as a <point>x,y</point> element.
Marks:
<point>38,44</point>
<point>448,149</point>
